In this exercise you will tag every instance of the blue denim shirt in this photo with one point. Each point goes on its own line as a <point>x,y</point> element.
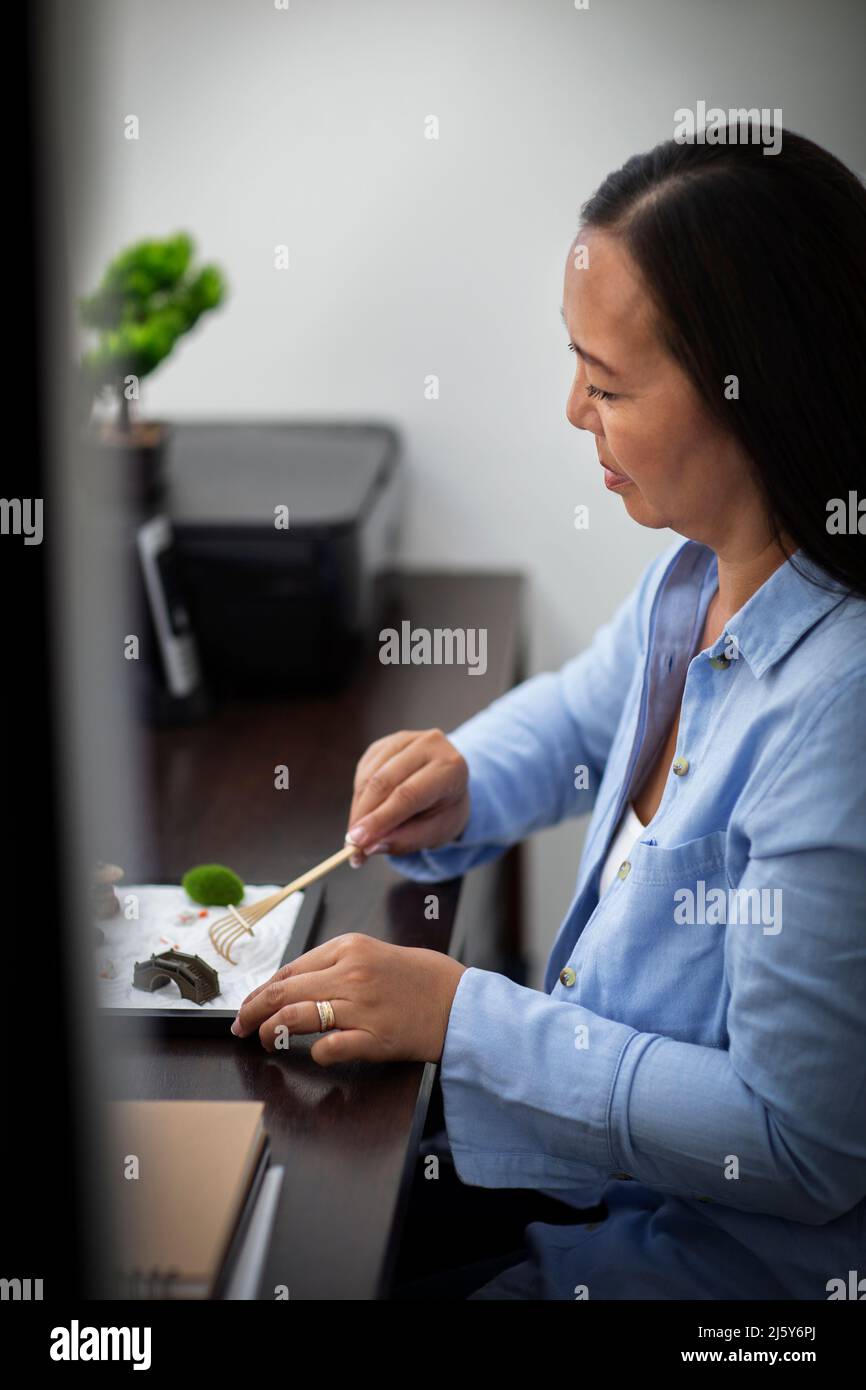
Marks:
<point>698,1060</point>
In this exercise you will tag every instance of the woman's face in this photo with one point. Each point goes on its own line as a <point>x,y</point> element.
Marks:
<point>664,454</point>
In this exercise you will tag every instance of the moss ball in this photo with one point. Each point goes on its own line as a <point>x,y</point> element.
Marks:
<point>213,885</point>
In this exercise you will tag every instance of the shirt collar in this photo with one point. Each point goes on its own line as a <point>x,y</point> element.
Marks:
<point>778,614</point>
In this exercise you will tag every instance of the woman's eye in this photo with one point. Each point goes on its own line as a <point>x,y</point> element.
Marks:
<point>597,392</point>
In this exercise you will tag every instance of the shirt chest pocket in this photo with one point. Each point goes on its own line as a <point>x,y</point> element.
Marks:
<point>656,959</point>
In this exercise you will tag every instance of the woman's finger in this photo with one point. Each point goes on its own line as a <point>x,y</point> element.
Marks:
<point>420,792</point>
<point>318,958</point>
<point>369,764</point>
<point>424,831</point>
<point>349,1045</point>
<point>387,776</point>
<point>293,1019</point>
<point>379,752</point>
<point>301,1019</point>
<point>276,994</point>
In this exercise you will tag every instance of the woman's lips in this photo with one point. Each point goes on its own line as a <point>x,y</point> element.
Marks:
<point>614,481</point>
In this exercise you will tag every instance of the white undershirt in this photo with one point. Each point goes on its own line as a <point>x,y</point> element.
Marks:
<point>629,829</point>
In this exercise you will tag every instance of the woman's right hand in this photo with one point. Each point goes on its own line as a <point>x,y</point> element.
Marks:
<point>411,792</point>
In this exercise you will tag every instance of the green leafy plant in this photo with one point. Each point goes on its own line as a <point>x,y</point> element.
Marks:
<point>150,295</point>
<point>213,885</point>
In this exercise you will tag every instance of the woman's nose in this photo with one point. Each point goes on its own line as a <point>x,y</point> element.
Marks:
<point>580,409</point>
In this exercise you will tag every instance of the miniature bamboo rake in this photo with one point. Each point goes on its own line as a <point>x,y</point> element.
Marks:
<point>229,929</point>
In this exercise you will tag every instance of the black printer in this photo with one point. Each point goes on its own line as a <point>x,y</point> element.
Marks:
<point>285,535</point>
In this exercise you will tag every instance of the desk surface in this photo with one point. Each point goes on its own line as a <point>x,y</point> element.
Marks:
<point>347,1135</point>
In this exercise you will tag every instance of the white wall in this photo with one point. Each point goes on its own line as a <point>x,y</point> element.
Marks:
<point>408,256</point>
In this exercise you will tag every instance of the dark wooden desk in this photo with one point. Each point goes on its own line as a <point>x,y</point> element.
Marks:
<point>347,1135</point>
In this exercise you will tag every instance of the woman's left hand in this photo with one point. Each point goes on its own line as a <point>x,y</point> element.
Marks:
<point>390,1003</point>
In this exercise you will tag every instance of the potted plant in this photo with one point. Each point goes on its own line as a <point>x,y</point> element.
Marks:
<point>149,296</point>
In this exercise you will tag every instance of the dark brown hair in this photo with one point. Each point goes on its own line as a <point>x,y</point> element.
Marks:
<point>757,266</point>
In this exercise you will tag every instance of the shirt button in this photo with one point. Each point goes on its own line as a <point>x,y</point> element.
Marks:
<point>624,869</point>
<point>623,1177</point>
<point>681,766</point>
<point>720,662</point>
<point>567,977</point>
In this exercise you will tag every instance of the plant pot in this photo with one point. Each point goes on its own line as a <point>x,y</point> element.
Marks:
<point>137,459</point>
<point>123,487</point>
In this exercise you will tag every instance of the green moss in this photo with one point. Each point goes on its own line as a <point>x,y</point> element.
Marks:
<point>213,885</point>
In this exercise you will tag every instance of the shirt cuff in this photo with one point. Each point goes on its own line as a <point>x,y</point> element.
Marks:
<point>528,1084</point>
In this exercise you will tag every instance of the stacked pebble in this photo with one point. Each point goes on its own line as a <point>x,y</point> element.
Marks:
<point>105,901</point>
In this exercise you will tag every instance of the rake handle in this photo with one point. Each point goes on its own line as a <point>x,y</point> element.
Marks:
<point>312,874</point>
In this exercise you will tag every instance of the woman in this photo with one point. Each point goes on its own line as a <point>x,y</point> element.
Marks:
<point>698,1060</point>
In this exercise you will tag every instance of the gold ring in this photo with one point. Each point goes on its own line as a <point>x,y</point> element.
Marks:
<point>326,1015</point>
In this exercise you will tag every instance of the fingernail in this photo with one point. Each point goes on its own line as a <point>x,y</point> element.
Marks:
<point>356,861</point>
<point>236,1028</point>
<point>381,847</point>
<point>357,835</point>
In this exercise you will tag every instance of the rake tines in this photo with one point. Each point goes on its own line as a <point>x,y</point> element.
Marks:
<point>227,931</point>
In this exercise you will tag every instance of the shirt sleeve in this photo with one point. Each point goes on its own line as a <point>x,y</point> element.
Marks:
<point>542,1092</point>
<point>525,751</point>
